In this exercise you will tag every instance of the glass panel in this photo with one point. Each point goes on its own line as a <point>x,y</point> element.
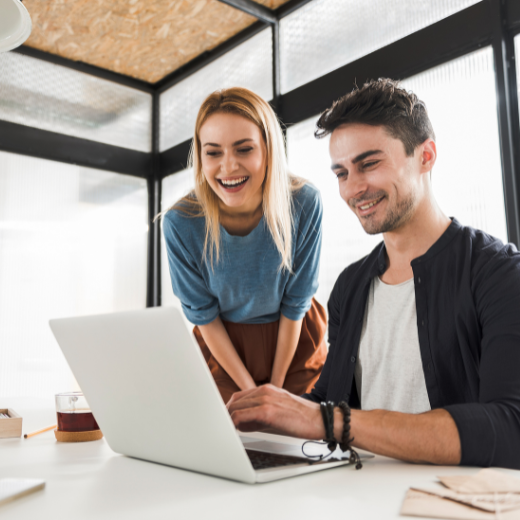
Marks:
<point>173,188</point>
<point>72,241</point>
<point>462,104</point>
<point>326,34</point>
<point>467,183</point>
<point>50,97</point>
<point>342,244</point>
<point>248,65</point>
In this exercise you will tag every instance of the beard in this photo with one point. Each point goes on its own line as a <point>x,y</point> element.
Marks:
<point>395,217</point>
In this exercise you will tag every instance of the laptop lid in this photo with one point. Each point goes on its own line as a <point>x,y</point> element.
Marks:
<point>151,391</point>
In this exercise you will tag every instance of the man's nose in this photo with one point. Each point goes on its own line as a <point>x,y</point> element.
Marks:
<point>354,187</point>
<point>228,164</point>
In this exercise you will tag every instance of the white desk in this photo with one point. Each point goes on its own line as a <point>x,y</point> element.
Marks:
<point>90,481</point>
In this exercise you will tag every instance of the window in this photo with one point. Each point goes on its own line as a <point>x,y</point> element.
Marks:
<point>326,34</point>
<point>248,65</point>
<point>50,97</point>
<point>72,242</point>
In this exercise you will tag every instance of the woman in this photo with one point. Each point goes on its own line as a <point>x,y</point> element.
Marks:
<point>243,251</point>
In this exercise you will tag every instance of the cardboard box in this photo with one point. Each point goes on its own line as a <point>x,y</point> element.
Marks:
<point>11,427</point>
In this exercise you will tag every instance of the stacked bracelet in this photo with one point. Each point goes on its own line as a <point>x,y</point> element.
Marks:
<point>346,440</point>
<point>327,414</point>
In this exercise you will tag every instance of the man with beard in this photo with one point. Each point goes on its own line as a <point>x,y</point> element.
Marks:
<point>424,332</point>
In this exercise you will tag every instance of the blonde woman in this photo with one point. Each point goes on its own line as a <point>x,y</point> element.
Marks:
<point>243,251</point>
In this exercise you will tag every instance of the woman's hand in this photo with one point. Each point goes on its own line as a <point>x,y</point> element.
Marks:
<point>274,410</point>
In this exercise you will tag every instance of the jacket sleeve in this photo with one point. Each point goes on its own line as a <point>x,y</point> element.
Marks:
<point>490,429</point>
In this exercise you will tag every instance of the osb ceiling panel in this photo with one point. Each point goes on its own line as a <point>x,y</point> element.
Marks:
<point>145,39</point>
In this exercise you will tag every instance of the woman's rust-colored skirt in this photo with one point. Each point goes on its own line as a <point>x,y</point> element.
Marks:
<point>256,346</point>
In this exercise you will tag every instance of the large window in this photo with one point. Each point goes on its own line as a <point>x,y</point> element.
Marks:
<point>72,242</point>
<point>326,34</point>
<point>248,65</point>
<point>50,97</point>
<point>467,179</point>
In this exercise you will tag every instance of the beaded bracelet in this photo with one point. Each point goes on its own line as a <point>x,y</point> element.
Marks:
<point>346,440</point>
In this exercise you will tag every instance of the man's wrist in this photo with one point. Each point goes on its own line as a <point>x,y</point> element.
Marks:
<point>338,424</point>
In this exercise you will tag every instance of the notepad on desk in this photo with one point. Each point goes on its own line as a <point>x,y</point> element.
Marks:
<point>12,488</point>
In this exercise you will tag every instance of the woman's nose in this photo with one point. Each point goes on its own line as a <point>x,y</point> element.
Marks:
<point>228,164</point>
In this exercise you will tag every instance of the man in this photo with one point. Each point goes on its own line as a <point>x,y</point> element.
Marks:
<point>424,332</point>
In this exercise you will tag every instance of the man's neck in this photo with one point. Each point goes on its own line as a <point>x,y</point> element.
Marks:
<point>412,240</point>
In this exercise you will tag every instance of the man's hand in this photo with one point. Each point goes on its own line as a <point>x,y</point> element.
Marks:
<point>274,410</point>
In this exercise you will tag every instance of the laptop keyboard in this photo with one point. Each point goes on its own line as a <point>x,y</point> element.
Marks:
<point>263,460</point>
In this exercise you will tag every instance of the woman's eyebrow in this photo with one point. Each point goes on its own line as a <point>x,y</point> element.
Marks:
<point>236,143</point>
<point>241,141</point>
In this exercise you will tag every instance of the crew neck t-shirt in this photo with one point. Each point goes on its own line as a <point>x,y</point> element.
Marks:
<point>246,285</point>
<point>389,372</point>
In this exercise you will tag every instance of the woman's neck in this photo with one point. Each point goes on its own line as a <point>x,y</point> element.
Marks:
<point>240,221</point>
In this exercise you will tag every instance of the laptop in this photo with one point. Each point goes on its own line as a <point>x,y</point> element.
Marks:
<point>154,398</point>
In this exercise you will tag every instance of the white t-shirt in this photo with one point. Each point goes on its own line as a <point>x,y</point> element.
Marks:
<point>389,371</point>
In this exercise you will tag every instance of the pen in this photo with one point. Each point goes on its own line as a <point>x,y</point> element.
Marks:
<point>27,435</point>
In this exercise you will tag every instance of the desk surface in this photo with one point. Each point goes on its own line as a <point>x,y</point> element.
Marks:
<point>88,480</point>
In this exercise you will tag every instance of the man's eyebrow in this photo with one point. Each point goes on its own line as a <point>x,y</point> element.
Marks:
<point>236,143</point>
<point>364,155</point>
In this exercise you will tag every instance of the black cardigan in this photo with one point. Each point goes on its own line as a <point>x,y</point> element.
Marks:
<point>467,292</point>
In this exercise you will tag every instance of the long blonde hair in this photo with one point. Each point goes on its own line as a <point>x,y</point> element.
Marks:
<point>278,184</point>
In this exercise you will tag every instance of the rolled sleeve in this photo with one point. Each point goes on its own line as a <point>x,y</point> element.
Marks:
<point>199,305</point>
<point>490,429</point>
<point>303,282</point>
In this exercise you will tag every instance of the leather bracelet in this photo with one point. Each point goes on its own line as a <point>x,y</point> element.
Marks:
<point>327,414</point>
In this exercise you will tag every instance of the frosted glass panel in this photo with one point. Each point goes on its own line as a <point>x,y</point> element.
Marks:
<point>326,34</point>
<point>72,242</point>
<point>344,240</point>
<point>173,188</point>
<point>248,65</point>
<point>467,179</point>
<point>50,97</point>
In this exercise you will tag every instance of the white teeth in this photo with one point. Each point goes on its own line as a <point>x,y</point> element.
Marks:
<point>366,206</point>
<point>233,181</point>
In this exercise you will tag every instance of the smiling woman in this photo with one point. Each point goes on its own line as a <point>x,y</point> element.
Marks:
<point>243,250</point>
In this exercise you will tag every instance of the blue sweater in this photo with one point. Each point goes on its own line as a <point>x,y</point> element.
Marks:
<point>246,285</point>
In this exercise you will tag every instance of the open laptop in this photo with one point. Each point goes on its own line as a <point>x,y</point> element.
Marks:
<point>154,398</point>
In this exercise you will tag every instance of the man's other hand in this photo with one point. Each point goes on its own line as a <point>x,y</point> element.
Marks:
<point>274,410</point>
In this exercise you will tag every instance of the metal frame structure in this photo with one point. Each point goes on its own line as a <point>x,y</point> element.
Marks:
<point>488,23</point>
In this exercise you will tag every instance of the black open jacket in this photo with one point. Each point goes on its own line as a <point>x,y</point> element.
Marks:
<point>467,293</point>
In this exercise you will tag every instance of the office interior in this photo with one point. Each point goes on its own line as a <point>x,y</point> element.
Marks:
<point>97,111</point>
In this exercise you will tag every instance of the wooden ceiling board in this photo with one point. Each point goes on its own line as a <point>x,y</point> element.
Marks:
<point>145,39</point>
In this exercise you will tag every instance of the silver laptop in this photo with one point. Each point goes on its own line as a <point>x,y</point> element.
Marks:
<point>154,398</point>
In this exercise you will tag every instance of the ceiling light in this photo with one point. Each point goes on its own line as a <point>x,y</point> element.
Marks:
<point>15,24</point>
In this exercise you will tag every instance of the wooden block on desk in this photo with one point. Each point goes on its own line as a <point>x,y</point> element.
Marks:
<point>11,427</point>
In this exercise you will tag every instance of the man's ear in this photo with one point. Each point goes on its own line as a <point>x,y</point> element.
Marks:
<point>428,155</point>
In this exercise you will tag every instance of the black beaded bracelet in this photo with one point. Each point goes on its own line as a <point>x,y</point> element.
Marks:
<point>346,440</point>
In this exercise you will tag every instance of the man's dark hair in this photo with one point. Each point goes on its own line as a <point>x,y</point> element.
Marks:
<point>381,103</point>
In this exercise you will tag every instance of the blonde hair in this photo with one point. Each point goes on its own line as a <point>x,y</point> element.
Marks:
<point>278,184</point>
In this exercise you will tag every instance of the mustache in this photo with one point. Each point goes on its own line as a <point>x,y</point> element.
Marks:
<point>374,195</point>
